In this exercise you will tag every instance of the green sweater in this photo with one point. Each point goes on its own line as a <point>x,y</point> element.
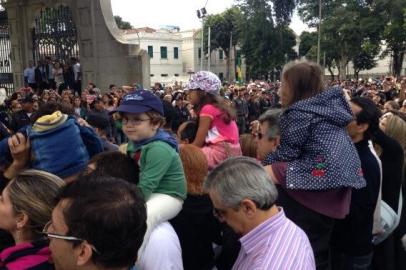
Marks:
<point>161,171</point>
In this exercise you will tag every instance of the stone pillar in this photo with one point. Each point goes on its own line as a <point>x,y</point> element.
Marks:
<point>105,55</point>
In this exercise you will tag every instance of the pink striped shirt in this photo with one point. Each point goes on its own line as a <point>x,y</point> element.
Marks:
<point>276,244</point>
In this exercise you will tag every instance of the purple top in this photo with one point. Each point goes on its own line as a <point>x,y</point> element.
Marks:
<point>275,244</point>
<point>334,203</point>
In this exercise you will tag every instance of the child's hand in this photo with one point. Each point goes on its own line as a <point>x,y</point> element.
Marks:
<point>83,123</point>
<point>19,149</point>
<point>254,127</point>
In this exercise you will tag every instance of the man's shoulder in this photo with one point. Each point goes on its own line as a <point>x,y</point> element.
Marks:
<point>163,249</point>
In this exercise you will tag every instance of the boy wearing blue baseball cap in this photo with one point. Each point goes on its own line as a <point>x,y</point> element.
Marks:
<point>162,179</point>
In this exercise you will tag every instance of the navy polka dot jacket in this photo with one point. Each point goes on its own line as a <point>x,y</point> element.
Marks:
<point>316,145</point>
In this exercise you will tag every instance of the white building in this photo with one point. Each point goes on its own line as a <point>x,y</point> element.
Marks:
<point>175,55</point>
<point>164,48</point>
<point>192,50</point>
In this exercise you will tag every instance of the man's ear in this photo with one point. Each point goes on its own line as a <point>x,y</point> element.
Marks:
<point>83,253</point>
<point>248,207</point>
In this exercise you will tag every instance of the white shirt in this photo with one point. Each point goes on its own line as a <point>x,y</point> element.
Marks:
<point>76,71</point>
<point>163,251</point>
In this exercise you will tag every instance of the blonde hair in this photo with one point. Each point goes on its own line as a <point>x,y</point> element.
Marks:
<point>33,193</point>
<point>195,166</point>
<point>396,128</point>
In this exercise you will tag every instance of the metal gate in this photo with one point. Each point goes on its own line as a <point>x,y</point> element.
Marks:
<point>55,35</point>
<point>6,72</point>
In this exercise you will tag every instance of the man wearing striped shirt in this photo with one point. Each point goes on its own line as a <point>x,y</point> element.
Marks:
<point>243,196</point>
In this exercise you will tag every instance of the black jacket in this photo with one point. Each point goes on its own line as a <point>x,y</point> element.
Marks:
<point>392,159</point>
<point>197,230</point>
<point>353,234</point>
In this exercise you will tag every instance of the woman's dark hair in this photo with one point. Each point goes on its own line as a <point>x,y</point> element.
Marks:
<point>111,101</point>
<point>304,80</point>
<point>369,114</point>
<point>189,131</point>
<point>14,96</point>
<point>229,112</point>
<point>110,214</point>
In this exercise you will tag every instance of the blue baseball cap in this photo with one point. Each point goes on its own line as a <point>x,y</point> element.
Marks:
<point>140,101</point>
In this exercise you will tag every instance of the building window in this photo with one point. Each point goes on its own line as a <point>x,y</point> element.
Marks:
<point>164,75</point>
<point>176,53</point>
<point>221,76</point>
<point>164,53</point>
<point>152,75</point>
<point>176,75</point>
<point>221,54</point>
<point>199,53</point>
<point>151,51</point>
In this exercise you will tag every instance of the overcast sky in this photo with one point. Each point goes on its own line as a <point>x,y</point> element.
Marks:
<point>182,13</point>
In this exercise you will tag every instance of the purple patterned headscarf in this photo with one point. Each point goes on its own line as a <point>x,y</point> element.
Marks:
<point>206,81</point>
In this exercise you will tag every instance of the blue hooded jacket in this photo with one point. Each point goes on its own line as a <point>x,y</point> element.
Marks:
<point>63,151</point>
<point>316,145</point>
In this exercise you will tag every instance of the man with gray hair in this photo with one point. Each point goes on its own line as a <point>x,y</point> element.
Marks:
<point>244,196</point>
<point>267,132</point>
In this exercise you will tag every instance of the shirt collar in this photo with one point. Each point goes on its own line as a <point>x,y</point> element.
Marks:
<point>259,234</point>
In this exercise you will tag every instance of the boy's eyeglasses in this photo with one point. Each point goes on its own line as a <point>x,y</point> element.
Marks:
<point>134,121</point>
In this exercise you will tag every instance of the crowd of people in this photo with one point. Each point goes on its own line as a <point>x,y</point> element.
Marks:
<point>300,173</point>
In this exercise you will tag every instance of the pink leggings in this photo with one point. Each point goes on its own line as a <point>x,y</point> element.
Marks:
<point>217,153</point>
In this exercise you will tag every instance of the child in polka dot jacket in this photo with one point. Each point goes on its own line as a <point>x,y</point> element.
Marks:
<point>314,140</point>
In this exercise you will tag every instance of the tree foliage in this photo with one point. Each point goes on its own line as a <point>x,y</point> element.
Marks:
<point>123,25</point>
<point>394,34</point>
<point>266,40</point>
<point>307,41</point>
<point>225,28</point>
<point>347,26</point>
<point>356,25</point>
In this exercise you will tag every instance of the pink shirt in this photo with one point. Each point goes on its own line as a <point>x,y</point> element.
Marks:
<point>219,131</point>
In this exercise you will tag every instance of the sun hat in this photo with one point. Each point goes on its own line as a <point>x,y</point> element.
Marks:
<point>206,81</point>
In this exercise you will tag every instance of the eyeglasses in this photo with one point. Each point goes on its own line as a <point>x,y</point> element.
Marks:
<point>64,237</point>
<point>134,121</point>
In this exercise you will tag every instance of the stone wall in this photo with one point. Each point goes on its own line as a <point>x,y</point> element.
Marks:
<point>105,55</point>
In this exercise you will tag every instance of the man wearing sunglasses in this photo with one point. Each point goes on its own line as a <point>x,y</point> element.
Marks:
<point>266,131</point>
<point>97,224</point>
<point>244,196</point>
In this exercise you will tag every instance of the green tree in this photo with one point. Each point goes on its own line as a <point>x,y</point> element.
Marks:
<point>266,40</point>
<point>366,58</point>
<point>307,41</point>
<point>123,25</point>
<point>395,31</point>
<point>283,10</point>
<point>225,30</point>
<point>346,26</point>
